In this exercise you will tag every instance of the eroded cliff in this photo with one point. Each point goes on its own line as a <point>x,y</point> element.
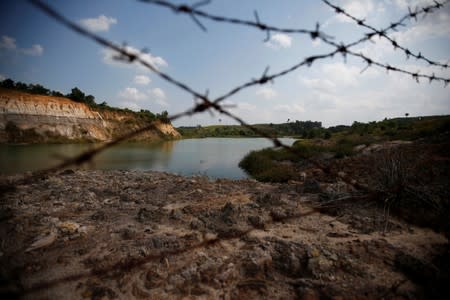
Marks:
<point>28,118</point>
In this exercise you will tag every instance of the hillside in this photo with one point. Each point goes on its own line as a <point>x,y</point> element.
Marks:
<point>32,118</point>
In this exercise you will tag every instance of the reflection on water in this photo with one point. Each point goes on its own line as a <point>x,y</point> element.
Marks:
<point>214,157</point>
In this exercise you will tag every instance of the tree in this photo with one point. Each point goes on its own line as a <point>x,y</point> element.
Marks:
<point>56,94</point>
<point>163,116</point>
<point>7,83</point>
<point>21,86</point>
<point>90,100</point>
<point>76,95</point>
<point>38,89</point>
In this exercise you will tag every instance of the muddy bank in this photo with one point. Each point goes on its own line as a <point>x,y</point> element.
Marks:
<point>120,234</point>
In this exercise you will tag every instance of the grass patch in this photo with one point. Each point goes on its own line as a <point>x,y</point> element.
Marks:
<point>264,166</point>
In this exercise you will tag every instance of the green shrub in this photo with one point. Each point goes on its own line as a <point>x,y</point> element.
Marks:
<point>277,173</point>
<point>256,162</point>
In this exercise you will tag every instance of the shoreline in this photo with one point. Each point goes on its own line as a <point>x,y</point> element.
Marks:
<point>147,234</point>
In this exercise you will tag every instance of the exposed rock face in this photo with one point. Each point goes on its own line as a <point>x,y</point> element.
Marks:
<point>34,118</point>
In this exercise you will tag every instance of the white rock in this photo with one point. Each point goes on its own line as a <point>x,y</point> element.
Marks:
<point>43,241</point>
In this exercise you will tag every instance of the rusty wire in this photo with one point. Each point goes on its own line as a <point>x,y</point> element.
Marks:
<point>207,104</point>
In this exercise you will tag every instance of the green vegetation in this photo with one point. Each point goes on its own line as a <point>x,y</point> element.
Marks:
<point>297,128</point>
<point>407,128</point>
<point>79,96</point>
<point>264,165</point>
<point>338,142</point>
<point>411,128</point>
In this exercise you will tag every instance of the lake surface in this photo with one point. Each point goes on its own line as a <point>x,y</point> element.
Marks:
<point>213,157</point>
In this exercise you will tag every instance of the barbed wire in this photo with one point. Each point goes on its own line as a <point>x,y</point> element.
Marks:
<point>382,33</point>
<point>194,12</point>
<point>208,104</point>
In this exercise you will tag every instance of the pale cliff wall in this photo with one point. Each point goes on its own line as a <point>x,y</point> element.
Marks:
<point>34,118</point>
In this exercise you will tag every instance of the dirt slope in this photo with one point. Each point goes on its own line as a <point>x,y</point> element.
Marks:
<point>29,118</point>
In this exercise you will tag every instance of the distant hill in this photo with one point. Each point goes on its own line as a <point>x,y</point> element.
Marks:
<point>408,128</point>
<point>297,128</point>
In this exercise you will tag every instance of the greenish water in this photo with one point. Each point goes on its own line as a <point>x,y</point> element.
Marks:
<point>213,157</point>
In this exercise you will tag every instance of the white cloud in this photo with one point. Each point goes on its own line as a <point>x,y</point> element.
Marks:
<point>159,93</point>
<point>423,31</point>
<point>159,97</point>
<point>110,58</point>
<point>35,50</point>
<point>142,79</point>
<point>339,94</point>
<point>290,108</point>
<point>341,74</point>
<point>2,77</point>
<point>316,43</point>
<point>134,99</point>
<point>9,43</point>
<point>131,93</point>
<point>101,23</point>
<point>404,4</point>
<point>279,40</point>
<point>130,105</point>
<point>357,8</point>
<point>361,9</point>
<point>324,85</point>
<point>266,92</point>
<point>246,106</point>
<point>437,26</point>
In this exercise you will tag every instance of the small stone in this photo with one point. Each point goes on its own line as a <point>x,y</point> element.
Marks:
<point>308,294</point>
<point>43,241</point>
<point>314,252</point>
<point>67,172</point>
<point>196,224</point>
<point>68,227</point>
<point>333,257</point>
<point>176,214</point>
<point>256,221</point>
<point>210,236</point>
<point>311,186</point>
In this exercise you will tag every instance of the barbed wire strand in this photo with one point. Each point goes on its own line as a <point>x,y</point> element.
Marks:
<point>341,48</point>
<point>382,33</point>
<point>193,12</point>
<point>205,104</point>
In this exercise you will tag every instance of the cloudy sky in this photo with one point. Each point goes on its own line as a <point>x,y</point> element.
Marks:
<point>36,49</point>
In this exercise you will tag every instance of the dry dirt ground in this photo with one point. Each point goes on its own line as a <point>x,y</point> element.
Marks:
<point>150,235</point>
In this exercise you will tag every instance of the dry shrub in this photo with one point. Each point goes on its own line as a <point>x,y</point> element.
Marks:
<point>411,182</point>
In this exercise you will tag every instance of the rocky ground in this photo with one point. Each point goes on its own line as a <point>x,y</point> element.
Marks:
<point>150,235</point>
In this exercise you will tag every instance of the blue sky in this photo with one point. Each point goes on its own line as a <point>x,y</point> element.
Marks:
<point>36,49</point>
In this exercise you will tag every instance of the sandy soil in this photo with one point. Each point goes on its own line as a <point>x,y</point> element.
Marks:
<point>150,235</point>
